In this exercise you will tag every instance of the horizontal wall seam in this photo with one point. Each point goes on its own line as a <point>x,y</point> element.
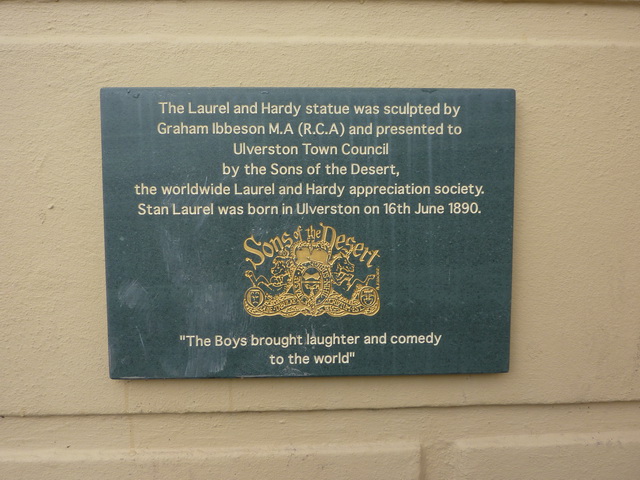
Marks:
<point>321,410</point>
<point>306,40</point>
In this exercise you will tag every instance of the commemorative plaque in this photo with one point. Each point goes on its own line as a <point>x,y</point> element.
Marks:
<point>307,232</point>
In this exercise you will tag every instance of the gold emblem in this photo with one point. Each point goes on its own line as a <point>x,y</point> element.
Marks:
<point>313,271</point>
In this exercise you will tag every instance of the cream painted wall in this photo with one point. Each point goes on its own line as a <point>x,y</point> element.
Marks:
<point>570,406</point>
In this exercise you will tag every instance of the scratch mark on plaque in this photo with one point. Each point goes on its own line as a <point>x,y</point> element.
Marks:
<point>144,348</point>
<point>294,372</point>
<point>133,295</point>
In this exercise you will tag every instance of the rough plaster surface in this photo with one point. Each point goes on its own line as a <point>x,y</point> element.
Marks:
<point>594,455</point>
<point>331,462</point>
<point>575,330</point>
<point>488,442</point>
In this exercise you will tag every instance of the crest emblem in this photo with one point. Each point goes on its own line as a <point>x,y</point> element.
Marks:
<point>311,272</point>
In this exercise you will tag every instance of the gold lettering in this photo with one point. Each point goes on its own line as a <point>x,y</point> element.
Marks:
<point>326,229</point>
<point>374,254</point>
<point>287,241</point>
<point>258,253</point>
<point>357,250</point>
<point>348,244</point>
<point>267,246</point>
<point>311,276</point>
<point>277,243</point>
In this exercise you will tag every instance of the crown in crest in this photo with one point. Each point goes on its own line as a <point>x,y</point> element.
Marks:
<point>305,252</point>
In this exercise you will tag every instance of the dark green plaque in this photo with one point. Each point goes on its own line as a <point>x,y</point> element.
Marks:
<point>307,232</point>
